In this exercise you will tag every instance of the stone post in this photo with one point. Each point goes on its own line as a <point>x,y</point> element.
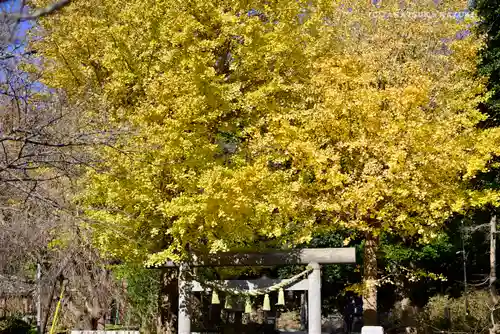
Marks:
<point>184,321</point>
<point>314,300</point>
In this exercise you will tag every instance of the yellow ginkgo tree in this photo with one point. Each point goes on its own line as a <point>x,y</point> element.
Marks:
<point>251,120</point>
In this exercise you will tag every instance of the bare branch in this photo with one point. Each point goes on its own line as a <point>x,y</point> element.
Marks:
<point>50,9</point>
<point>475,228</point>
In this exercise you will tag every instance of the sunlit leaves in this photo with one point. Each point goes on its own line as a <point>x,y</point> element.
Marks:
<point>250,120</point>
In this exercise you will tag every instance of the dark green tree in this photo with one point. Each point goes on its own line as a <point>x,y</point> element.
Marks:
<point>489,11</point>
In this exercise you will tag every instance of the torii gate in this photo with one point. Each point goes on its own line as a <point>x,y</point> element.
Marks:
<point>313,257</point>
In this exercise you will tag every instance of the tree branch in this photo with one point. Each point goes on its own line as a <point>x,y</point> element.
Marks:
<point>50,9</point>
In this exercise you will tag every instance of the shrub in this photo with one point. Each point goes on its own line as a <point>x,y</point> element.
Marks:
<point>436,318</point>
<point>14,325</point>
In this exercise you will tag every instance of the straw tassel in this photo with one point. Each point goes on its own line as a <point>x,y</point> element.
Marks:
<point>228,305</point>
<point>267,303</point>
<point>248,305</point>
<point>215,297</point>
<point>281,298</point>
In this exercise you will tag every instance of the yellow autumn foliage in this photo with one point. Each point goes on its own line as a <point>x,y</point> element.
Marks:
<point>254,120</point>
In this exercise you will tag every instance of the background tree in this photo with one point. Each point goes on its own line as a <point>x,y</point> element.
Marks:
<point>490,65</point>
<point>41,140</point>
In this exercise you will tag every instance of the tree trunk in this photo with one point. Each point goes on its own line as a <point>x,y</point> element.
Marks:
<point>168,302</point>
<point>408,315</point>
<point>93,323</point>
<point>50,300</point>
<point>493,271</point>
<point>493,260</point>
<point>39,298</point>
<point>123,310</point>
<point>98,324</point>
<point>370,317</point>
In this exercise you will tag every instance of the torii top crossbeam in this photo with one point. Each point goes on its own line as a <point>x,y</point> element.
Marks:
<point>273,258</point>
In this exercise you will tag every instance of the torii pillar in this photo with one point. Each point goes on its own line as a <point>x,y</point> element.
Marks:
<point>314,300</point>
